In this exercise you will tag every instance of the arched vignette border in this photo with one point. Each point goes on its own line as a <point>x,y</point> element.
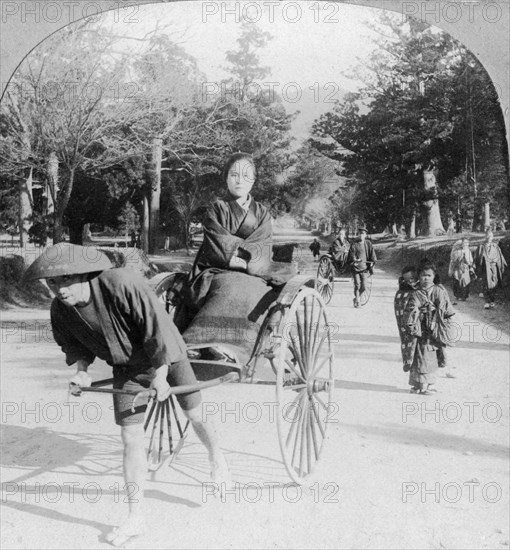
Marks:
<point>483,27</point>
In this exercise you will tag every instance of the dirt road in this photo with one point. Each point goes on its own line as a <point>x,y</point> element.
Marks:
<point>399,470</point>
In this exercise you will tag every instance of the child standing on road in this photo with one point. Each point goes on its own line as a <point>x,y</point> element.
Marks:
<point>407,283</point>
<point>428,320</point>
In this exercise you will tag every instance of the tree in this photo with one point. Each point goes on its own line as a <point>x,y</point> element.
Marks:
<point>312,180</point>
<point>406,127</point>
<point>62,104</point>
<point>244,63</point>
<point>167,78</point>
<point>213,128</point>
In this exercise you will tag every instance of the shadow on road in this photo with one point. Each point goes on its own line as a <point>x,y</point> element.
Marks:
<point>364,386</point>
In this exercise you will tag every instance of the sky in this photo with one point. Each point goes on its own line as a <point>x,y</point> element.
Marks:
<point>312,43</point>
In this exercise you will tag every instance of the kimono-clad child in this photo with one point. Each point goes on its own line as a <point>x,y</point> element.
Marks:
<point>428,320</point>
<point>407,283</point>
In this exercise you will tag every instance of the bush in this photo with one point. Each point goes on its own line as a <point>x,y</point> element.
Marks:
<point>15,291</point>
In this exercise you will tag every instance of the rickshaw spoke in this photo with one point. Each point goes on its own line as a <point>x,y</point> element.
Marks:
<point>169,425</point>
<point>298,429</point>
<point>303,437</point>
<point>316,414</point>
<point>306,327</point>
<point>301,343</point>
<point>314,339</point>
<point>161,429</point>
<point>314,435</point>
<point>291,367</point>
<point>308,442</point>
<point>151,412</point>
<point>295,351</point>
<point>181,431</point>
<point>321,364</point>
<point>309,332</point>
<point>319,345</point>
<point>321,402</point>
<point>298,397</point>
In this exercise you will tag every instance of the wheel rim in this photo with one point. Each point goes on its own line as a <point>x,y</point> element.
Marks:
<point>365,296</point>
<point>304,384</point>
<point>325,280</point>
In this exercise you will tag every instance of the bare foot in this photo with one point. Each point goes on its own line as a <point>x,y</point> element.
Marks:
<point>220,476</point>
<point>133,526</point>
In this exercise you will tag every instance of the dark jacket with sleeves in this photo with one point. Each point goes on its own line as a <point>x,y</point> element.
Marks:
<point>364,250</point>
<point>134,323</point>
<point>230,231</point>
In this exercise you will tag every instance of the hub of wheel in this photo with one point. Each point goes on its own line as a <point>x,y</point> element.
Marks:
<point>318,384</point>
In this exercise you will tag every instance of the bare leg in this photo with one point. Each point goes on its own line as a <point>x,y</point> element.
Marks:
<point>206,432</point>
<point>135,469</point>
<point>134,465</point>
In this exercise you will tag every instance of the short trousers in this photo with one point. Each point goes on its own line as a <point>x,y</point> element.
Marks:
<point>133,378</point>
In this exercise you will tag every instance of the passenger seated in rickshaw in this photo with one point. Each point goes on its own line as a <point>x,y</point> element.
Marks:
<point>339,251</point>
<point>233,280</point>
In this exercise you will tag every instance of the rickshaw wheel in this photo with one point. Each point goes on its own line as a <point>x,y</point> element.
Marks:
<point>365,296</point>
<point>325,280</point>
<point>304,384</point>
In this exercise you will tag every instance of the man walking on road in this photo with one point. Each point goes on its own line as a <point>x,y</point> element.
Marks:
<point>114,315</point>
<point>362,259</point>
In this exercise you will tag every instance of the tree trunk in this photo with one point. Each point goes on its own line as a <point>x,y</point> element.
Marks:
<point>412,226</point>
<point>86,236</point>
<point>486,215</point>
<point>25,208</point>
<point>144,237</point>
<point>432,224</point>
<point>60,208</point>
<point>155,179</point>
<point>394,230</point>
<point>76,231</point>
<point>52,186</point>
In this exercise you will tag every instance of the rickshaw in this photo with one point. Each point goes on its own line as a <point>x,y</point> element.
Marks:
<point>293,351</point>
<point>328,270</point>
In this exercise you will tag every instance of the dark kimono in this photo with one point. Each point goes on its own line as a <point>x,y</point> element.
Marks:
<point>339,250</point>
<point>490,265</point>
<point>407,342</point>
<point>427,318</point>
<point>460,269</point>
<point>227,306</point>
<point>135,331</point>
